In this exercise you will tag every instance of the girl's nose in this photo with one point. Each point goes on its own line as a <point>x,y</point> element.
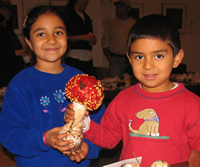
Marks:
<point>51,39</point>
<point>148,64</point>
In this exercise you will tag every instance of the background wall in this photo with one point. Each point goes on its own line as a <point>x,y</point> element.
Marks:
<point>102,11</point>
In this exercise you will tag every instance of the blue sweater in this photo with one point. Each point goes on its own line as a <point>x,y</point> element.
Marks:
<point>34,103</point>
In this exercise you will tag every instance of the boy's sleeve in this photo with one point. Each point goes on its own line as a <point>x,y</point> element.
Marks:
<point>108,133</point>
<point>94,149</point>
<point>192,122</point>
<point>15,133</point>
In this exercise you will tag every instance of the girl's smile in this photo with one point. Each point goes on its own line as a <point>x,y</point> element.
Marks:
<point>48,39</point>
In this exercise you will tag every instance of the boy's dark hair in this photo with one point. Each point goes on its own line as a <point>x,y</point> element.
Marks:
<point>33,15</point>
<point>155,27</point>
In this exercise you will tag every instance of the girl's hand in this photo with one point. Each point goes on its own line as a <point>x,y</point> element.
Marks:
<point>80,154</point>
<point>53,140</point>
<point>194,159</point>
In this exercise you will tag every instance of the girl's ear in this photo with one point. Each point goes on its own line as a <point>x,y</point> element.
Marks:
<point>178,58</point>
<point>29,43</point>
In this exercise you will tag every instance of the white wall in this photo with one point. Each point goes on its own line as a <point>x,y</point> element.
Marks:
<point>99,11</point>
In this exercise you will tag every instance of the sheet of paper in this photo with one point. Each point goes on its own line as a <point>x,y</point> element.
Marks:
<point>118,164</point>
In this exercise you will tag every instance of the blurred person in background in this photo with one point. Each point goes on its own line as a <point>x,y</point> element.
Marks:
<point>114,40</point>
<point>11,52</point>
<point>81,37</point>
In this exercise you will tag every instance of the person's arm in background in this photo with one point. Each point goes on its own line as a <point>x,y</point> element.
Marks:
<point>105,42</point>
<point>107,54</point>
<point>90,37</point>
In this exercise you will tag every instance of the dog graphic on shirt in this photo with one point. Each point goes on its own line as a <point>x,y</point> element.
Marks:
<point>151,123</point>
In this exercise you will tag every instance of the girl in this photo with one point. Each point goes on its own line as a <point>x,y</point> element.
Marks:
<point>34,104</point>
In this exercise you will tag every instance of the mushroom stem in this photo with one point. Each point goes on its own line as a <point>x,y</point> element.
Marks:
<point>75,126</point>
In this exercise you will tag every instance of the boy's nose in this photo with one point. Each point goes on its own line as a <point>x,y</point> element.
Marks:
<point>148,64</point>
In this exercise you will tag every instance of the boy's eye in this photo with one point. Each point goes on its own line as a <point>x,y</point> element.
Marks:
<point>139,57</point>
<point>159,56</point>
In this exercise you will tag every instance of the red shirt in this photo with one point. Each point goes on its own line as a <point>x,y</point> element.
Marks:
<point>156,126</point>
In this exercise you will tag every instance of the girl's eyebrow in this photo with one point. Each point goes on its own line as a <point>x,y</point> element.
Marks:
<point>40,29</point>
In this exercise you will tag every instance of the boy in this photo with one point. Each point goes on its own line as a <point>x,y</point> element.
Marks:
<point>155,119</point>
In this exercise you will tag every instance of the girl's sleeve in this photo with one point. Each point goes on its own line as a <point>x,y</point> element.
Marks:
<point>15,134</point>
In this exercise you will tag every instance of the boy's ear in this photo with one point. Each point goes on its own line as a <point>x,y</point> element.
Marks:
<point>178,58</point>
<point>128,57</point>
<point>29,43</point>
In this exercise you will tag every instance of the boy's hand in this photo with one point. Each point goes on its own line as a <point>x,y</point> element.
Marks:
<point>194,159</point>
<point>80,154</point>
<point>53,140</point>
<point>69,114</point>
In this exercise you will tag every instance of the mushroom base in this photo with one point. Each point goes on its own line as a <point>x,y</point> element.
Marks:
<point>75,127</point>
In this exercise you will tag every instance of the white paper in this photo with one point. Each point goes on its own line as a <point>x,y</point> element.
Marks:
<point>118,164</point>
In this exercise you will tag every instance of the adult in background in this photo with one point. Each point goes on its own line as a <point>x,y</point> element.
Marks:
<point>11,52</point>
<point>81,37</point>
<point>114,39</point>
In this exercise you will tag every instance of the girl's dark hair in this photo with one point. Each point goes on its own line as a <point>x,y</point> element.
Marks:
<point>33,15</point>
<point>156,27</point>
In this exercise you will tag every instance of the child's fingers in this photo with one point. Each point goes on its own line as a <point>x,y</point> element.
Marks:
<point>60,136</point>
<point>75,157</point>
<point>69,115</point>
<point>87,113</point>
<point>70,106</point>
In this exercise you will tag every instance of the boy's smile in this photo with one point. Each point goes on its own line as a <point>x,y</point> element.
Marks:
<point>152,62</point>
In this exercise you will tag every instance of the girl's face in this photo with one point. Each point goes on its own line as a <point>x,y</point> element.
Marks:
<point>152,62</point>
<point>48,39</point>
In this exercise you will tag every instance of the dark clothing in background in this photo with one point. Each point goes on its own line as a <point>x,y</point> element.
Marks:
<point>10,64</point>
<point>78,27</point>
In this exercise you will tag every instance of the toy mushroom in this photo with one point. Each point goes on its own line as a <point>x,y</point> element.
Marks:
<point>160,163</point>
<point>86,93</point>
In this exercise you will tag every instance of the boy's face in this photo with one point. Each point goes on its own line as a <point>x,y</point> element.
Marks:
<point>152,62</point>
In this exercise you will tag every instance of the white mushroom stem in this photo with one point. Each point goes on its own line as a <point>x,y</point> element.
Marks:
<point>75,126</point>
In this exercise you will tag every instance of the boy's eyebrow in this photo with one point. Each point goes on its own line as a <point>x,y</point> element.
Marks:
<point>162,50</point>
<point>137,52</point>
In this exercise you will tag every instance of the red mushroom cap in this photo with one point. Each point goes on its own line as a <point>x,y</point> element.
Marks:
<point>85,90</point>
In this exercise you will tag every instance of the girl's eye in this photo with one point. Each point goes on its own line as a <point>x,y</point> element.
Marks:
<point>40,34</point>
<point>159,56</point>
<point>139,57</point>
<point>59,33</point>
